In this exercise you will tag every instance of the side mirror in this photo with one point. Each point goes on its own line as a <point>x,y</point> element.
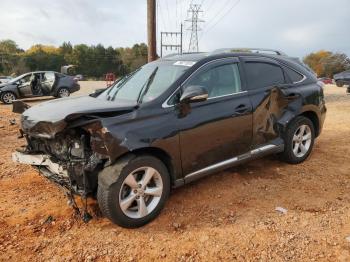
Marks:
<point>194,94</point>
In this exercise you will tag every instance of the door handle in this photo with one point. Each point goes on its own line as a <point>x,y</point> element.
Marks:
<point>241,109</point>
<point>292,96</point>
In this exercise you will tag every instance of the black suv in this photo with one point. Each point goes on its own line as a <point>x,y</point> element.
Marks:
<point>171,122</point>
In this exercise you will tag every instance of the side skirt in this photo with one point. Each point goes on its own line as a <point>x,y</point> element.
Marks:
<point>253,154</point>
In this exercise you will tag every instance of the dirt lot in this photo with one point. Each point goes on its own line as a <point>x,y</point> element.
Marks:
<point>227,216</point>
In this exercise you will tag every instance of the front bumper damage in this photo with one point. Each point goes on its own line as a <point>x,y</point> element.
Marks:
<point>51,170</point>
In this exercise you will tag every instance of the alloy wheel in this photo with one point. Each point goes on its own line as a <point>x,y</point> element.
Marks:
<point>8,97</point>
<point>63,92</point>
<point>140,192</point>
<point>302,140</point>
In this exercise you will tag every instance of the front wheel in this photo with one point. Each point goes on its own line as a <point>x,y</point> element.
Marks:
<point>138,193</point>
<point>8,97</point>
<point>299,140</point>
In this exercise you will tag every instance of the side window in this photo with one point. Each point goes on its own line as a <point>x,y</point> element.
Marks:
<point>49,76</point>
<point>260,74</point>
<point>218,81</point>
<point>293,75</point>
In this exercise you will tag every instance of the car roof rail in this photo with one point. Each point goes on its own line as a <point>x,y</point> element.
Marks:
<point>248,50</point>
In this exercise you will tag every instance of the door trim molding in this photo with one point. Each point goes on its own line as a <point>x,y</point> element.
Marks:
<point>255,153</point>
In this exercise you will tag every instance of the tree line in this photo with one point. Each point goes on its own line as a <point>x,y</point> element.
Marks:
<point>326,63</point>
<point>91,61</point>
<point>96,60</point>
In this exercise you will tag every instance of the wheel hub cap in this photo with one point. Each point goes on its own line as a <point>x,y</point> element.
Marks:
<point>302,141</point>
<point>140,192</point>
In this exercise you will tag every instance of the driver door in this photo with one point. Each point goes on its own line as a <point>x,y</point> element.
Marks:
<point>219,128</point>
<point>24,86</point>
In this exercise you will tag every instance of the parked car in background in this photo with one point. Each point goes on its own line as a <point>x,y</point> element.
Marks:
<point>79,77</point>
<point>326,80</point>
<point>5,79</point>
<point>171,122</point>
<point>342,78</point>
<point>36,84</point>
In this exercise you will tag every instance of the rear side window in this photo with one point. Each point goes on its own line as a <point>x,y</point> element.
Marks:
<point>293,75</point>
<point>49,76</point>
<point>260,74</point>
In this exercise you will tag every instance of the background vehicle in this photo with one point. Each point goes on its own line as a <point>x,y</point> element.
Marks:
<point>5,79</point>
<point>171,122</point>
<point>342,78</point>
<point>326,80</point>
<point>36,84</point>
<point>79,77</point>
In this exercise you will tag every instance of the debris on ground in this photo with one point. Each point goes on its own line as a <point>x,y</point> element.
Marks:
<point>12,121</point>
<point>281,210</point>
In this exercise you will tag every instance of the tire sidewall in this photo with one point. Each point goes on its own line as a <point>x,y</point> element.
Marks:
<point>290,157</point>
<point>59,95</point>
<point>7,92</point>
<point>116,214</point>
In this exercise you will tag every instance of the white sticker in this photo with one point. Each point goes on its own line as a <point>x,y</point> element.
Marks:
<point>185,63</point>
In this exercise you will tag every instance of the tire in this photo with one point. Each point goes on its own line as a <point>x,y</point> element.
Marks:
<point>293,153</point>
<point>7,97</point>
<point>63,92</point>
<point>339,84</point>
<point>113,195</point>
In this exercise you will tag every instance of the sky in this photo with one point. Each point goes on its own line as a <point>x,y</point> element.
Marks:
<point>296,27</point>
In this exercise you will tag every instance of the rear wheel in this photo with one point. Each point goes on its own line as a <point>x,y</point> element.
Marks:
<point>8,97</point>
<point>339,84</point>
<point>63,92</point>
<point>299,140</point>
<point>138,193</point>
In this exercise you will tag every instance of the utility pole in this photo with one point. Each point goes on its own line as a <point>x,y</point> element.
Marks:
<point>151,30</point>
<point>195,10</point>
<point>177,45</point>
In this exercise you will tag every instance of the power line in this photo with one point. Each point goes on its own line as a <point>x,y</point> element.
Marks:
<point>226,13</point>
<point>223,7</point>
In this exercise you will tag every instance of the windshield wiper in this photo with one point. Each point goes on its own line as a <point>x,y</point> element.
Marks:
<point>120,84</point>
<point>146,86</point>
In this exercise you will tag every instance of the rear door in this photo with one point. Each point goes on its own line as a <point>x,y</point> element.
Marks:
<point>268,87</point>
<point>48,82</point>
<point>221,127</point>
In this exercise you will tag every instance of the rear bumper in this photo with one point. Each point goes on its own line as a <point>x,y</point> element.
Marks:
<point>75,88</point>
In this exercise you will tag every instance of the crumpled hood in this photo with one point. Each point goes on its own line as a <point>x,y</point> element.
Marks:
<point>49,118</point>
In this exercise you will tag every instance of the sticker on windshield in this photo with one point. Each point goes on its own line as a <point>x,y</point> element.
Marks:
<point>185,63</point>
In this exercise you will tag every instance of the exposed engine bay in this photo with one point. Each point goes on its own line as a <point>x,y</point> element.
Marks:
<point>71,153</point>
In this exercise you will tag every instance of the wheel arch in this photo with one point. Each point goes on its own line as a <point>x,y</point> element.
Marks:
<point>161,154</point>
<point>314,119</point>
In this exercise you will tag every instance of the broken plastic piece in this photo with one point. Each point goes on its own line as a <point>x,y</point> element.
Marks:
<point>281,210</point>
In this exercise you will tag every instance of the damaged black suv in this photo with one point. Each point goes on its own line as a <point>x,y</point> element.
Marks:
<point>171,122</point>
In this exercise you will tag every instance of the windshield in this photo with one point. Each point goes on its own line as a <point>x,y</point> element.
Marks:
<point>17,78</point>
<point>146,83</point>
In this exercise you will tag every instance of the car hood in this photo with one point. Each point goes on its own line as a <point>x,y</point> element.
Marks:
<point>5,84</point>
<point>49,118</point>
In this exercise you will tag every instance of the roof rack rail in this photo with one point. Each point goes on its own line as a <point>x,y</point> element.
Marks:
<point>248,50</point>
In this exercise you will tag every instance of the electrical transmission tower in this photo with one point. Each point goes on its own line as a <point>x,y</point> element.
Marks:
<point>194,10</point>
